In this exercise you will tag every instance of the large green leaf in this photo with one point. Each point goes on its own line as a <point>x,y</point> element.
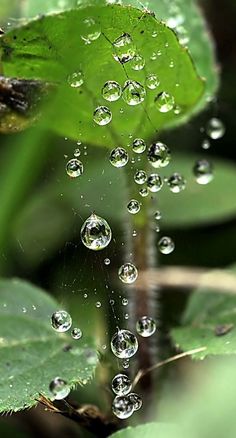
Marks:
<point>149,430</point>
<point>32,353</point>
<point>42,50</point>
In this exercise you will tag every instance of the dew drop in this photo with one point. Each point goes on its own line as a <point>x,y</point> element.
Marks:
<point>153,56</point>
<point>152,81</point>
<point>121,384</point>
<point>154,183</point>
<point>165,102</point>
<point>119,157</point>
<point>128,273</point>
<point>107,262</point>
<point>111,91</point>
<point>138,62</point>
<point>206,144</point>
<point>98,304</point>
<point>166,245</point>
<point>59,388</point>
<point>76,333</point>
<point>203,172</point>
<point>138,146</point>
<point>159,155</point>
<point>92,30</point>
<point>74,168</point>
<point>154,34</point>
<point>135,400</point>
<point>146,326</point>
<point>177,109</point>
<point>96,233</point>
<point>176,183</point>
<point>75,80</point>
<point>102,115</point>
<point>77,152</point>
<point>144,192</point>
<point>124,344</point>
<point>122,407</point>
<point>61,321</point>
<point>125,302</point>
<point>140,177</point>
<point>133,206</point>
<point>157,215</point>
<point>133,93</point>
<point>215,128</point>
<point>124,48</point>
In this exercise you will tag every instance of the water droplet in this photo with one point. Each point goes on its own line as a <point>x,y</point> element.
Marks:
<point>91,31</point>
<point>124,48</point>
<point>125,302</point>
<point>76,79</point>
<point>74,168</point>
<point>215,128</point>
<point>157,215</point>
<point>98,304</point>
<point>165,102</point>
<point>121,384</point>
<point>77,153</point>
<point>144,192</point>
<point>146,326</point>
<point>102,115</point>
<point>61,321</point>
<point>107,261</point>
<point>133,93</point>
<point>96,233</point>
<point>154,34</point>
<point>124,344</point>
<point>134,234</point>
<point>138,62</point>
<point>206,144</point>
<point>153,56</point>
<point>152,81</point>
<point>24,310</point>
<point>133,206</point>
<point>128,273</point>
<point>139,146</point>
<point>157,229</point>
<point>122,407</point>
<point>154,183</point>
<point>159,155</point>
<point>203,172</point>
<point>140,177</point>
<point>166,245</point>
<point>126,316</point>
<point>177,109</point>
<point>76,333</point>
<point>135,400</point>
<point>59,388</point>
<point>119,157</point>
<point>111,91</point>
<point>176,183</point>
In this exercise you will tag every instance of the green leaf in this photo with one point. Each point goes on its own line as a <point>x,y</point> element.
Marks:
<point>149,430</point>
<point>198,204</point>
<point>32,353</point>
<point>41,50</point>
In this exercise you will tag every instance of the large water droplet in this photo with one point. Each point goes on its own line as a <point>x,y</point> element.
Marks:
<point>124,344</point>
<point>146,326</point>
<point>76,79</point>
<point>102,115</point>
<point>165,102</point>
<point>128,273</point>
<point>176,183</point>
<point>139,146</point>
<point>121,384</point>
<point>203,172</point>
<point>140,177</point>
<point>124,48</point>
<point>122,407</point>
<point>152,81</point>
<point>91,31</point>
<point>133,93</point>
<point>159,155</point>
<point>138,62</point>
<point>111,91</point>
<point>154,183</point>
<point>96,233</point>
<point>133,206</point>
<point>119,157</point>
<point>166,245</point>
<point>215,128</point>
<point>74,168</point>
<point>61,321</point>
<point>135,400</point>
<point>76,333</point>
<point>59,388</point>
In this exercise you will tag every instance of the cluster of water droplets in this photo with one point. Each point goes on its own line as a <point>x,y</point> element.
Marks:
<point>125,402</point>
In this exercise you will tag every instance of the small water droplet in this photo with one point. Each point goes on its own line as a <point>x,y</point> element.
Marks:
<point>124,344</point>
<point>154,34</point>
<point>177,109</point>
<point>24,310</point>
<point>206,144</point>
<point>61,321</point>
<point>76,333</point>
<point>140,177</point>
<point>59,388</point>
<point>74,168</point>
<point>215,128</point>
<point>124,48</point>
<point>121,384</point>
<point>154,183</point>
<point>144,192</point>
<point>96,233</point>
<point>122,407</point>
<point>166,245</point>
<point>111,91</point>
<point>159,155</point>
<point>98,304</point>
<point>146,326</point>
<point>102,115</point>
<point>77,153</point>
<point>119,157</point>
<point>75,80</point>
<point>165,102</point>
<point>153,56</point>
<point>133,206</point>
<point>133,93</point>
<point>138,62</point>
<point>91,30</point>
<point>203,172</point>
<point>152,81</point>
<point>107,261</point>
<point>128,273</point>
<point>138,146</point>
<point>176,183</point>
<point>157,215</point>
<point>135,400</point>
<point>125,302</point>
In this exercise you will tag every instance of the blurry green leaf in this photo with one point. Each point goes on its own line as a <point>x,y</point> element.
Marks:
<point>41,50</point>
<point>149,430</point>
<point>32,353</point>
<point>199,204</point>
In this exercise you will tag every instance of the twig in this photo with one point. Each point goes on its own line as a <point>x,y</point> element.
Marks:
<point>142,373</point>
